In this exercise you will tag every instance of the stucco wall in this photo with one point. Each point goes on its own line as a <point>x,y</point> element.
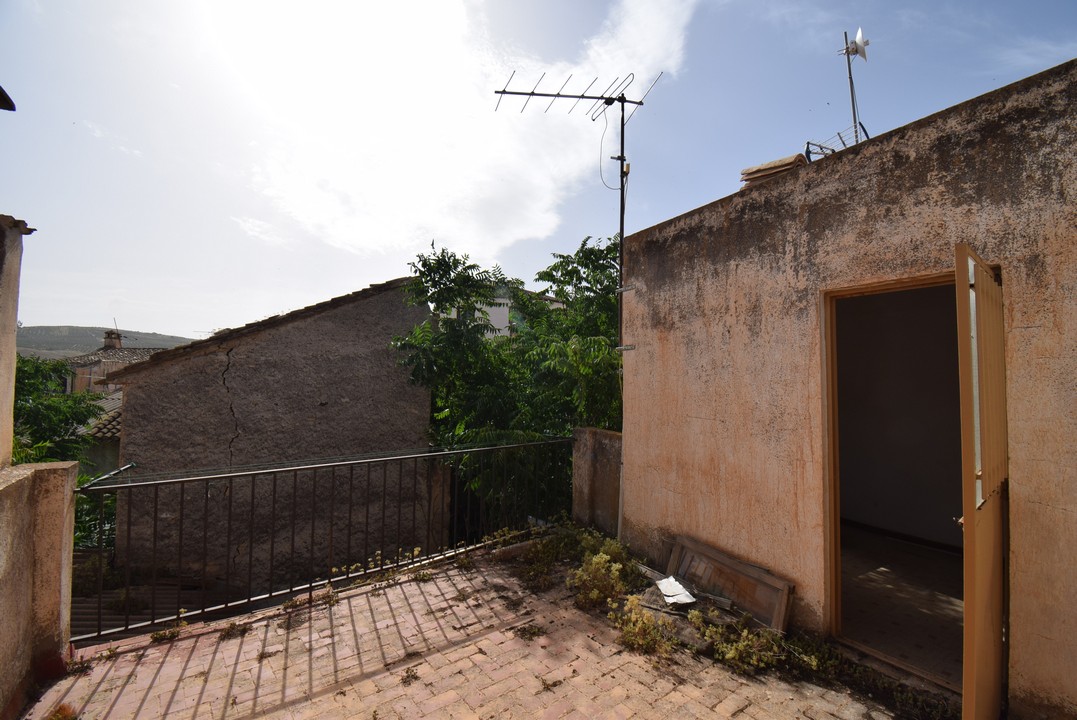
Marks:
<point>725,433</point>
<point>12,232</point>
<point>324,385</point>
<point>318,385</point>
<point>37,520</point>
<point>596,478</point>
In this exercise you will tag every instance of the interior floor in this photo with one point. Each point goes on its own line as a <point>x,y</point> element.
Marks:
<point>903,600</point>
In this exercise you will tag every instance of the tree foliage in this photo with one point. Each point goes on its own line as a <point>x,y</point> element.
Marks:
<point>47,419</point>
<point>556,369</point>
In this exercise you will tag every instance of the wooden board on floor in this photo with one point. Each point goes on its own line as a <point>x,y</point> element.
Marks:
<point>761,593</point>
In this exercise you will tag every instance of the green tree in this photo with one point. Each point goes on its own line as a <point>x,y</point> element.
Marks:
<point>48,421</point>
<point>557,369</point>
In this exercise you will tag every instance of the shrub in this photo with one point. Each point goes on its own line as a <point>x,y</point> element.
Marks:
<point>642,630</point>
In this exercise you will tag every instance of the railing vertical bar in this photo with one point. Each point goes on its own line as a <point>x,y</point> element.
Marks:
<point>332,520</point>
<point>415,505</point>
<point>291,557</point>
<point>366,521</point>
<point>100,556</point>
<point>179,549</point>
<point>484,526</point>
<point>348,558</point>
<point>455,499</point>
<point>399,508</point>
<point>125,598</point>
<point>205,542</point>
<point>272,536</point>
<point>250,542</point>
<point>384,499</point>
<point>228,545</point>
<point>313,516</point>
<point>153,555</point>
<point>509,501</point>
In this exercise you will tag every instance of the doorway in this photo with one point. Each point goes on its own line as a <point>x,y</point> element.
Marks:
<point>896,411</point>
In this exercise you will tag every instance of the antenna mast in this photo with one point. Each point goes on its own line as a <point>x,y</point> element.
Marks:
<point>614,93</point>
<point>856,47</point>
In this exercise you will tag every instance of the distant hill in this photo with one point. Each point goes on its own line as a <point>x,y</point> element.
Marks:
<point>61,341</point>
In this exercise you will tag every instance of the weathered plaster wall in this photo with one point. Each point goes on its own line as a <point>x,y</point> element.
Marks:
<point>725,422</point>
<point>324,385</point>
<point>37,521</point>
<point>12,231</point>
<point>596,478</point>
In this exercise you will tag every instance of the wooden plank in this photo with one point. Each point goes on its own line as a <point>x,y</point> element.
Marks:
<point>751,588</point>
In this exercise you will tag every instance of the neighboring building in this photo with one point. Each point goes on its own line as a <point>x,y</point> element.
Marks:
<point>834,302</point>
<point>318,383</point>
<point>103,454</point>
<point>89,370</point>
<point>315,383</point>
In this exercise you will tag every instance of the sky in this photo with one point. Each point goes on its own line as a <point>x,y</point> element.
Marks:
<point>197,165</point>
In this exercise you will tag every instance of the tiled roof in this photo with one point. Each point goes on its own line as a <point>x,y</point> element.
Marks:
<point>110,422</point>
<point>109,354</point>
<point>108,425</point>
<point>255,327</point>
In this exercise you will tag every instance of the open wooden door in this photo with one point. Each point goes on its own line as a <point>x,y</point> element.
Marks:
<point>984,473</point>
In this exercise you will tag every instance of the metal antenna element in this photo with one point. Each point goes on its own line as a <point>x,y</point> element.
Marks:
<point>614,93</point>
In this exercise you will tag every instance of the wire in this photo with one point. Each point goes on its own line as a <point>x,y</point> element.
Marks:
<point>601,143</point>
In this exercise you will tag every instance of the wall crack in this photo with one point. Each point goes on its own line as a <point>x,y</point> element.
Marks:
<point>231,405</point>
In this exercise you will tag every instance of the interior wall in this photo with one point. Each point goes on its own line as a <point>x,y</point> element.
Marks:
<point>899,422</point>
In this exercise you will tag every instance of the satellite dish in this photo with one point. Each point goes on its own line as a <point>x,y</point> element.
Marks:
<point>859,46</point>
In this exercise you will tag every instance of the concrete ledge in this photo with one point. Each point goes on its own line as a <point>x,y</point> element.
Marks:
<point>37,518</point>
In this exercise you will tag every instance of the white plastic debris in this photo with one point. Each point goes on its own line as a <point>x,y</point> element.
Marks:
<point>673,592</point>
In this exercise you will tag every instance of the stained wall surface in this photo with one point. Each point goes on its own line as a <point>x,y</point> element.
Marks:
<point>316,385</point>
<point>725,428</point>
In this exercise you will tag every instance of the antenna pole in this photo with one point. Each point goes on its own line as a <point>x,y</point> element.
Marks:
<point>852,90</point>
<point>621,232</point>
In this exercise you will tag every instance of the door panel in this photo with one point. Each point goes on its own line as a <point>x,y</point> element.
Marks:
<point>982,372</point>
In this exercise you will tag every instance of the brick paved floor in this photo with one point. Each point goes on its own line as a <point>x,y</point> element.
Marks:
<point>444,648</point>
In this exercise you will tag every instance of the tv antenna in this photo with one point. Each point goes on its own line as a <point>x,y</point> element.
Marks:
<point>857,47</point>
<point>614,93</point>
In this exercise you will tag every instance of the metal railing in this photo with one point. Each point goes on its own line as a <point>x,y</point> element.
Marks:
<point>167,549</point>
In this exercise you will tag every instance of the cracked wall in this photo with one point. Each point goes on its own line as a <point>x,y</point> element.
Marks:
<point>725,435</point>
<point>322,385</point>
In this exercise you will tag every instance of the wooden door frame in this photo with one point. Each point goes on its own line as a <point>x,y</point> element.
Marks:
<point>832,487</point>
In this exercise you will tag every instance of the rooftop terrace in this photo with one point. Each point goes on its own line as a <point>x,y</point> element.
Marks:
<point>445,641</point>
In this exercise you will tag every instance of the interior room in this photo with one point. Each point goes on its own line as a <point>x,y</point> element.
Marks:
<point>899,477</point>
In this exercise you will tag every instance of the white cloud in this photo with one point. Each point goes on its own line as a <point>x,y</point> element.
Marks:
<point>382,133</point>
<point>261,230</point>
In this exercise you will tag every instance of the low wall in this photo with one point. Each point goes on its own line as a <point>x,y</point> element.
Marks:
<point>596,478</point>
<point>37,518</point>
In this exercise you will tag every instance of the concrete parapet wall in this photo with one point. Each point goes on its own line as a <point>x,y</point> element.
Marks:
<point>37,517</point>
<point>596,478</point>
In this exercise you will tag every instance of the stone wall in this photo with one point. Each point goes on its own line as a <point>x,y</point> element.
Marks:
<point>37,520</point>
<point>315,384</point>
<point>725,432</point>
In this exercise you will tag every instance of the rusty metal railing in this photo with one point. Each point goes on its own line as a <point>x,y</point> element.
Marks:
<point>204,546</point>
